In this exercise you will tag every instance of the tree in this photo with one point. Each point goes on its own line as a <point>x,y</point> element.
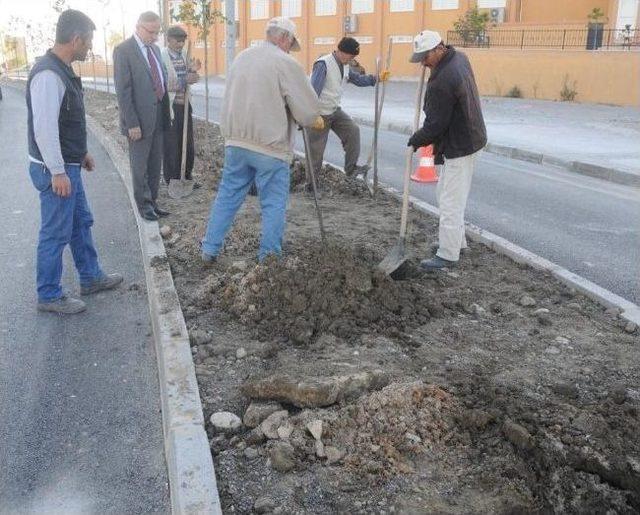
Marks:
<point>596,15</point>
<point>472,25</point>
<point>198,14</point>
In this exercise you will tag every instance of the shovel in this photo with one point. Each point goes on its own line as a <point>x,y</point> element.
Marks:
<point>397,255</point>
<point>379,102</point>
<point>312,175</point>
<point>183,188</point>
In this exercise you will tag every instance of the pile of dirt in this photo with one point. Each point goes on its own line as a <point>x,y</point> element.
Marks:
<point>320,290</point>
<point>382,432</point>
<point>536,408</point>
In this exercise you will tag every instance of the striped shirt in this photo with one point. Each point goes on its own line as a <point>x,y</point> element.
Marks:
<point>180,67</point>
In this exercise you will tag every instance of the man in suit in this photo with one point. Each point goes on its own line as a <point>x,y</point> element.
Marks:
<point>141,87</point>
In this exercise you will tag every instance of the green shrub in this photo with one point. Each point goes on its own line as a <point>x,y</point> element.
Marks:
<point>514,92</point>
<point>568,93</point>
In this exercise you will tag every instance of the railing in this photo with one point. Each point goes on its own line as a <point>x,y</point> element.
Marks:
<point>592,38</point>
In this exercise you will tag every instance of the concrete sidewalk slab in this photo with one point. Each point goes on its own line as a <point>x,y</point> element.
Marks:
<point>192,477</point>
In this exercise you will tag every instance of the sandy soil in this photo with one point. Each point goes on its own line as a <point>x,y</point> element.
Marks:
<point>491,388</point>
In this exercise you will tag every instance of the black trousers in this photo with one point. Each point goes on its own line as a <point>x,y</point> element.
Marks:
<point>173,145</point>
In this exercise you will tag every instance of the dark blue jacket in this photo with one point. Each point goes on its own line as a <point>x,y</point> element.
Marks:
<point>72,125</point>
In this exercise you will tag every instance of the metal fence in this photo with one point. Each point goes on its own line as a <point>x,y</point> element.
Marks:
<point>592,38</point>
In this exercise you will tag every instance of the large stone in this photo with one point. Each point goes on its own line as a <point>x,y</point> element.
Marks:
<point>270,425</point>
<point>225,421</point>
<point>282,457</point>
<point>258,411</point>
<point>315,392</point>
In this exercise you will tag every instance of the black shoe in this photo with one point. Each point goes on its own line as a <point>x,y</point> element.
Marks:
<point>149,214</point>
<point>358,170</point>
<point>160,211</point>
<point>196,185</point>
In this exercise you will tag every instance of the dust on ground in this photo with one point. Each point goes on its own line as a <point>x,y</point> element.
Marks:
<point>488,388</point>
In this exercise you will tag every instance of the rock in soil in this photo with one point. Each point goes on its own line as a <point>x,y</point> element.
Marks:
<point>318,392</point>
<point>258,411</point>
<point>165,231</point>
<point>225,421</point>
<point>527,301</point>
<point>282,457</point>
<point>264,505</point>
<point>518,435</point>
<point>270,425</point>
<point>315,428</point>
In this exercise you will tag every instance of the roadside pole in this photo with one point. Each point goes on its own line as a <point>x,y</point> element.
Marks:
<point>230,34</point>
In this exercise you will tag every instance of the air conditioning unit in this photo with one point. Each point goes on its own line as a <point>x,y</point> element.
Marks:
<point>350,24</point>
<point>497,15</point>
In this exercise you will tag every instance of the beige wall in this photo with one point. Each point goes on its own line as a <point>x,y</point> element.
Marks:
<point>604,77</point>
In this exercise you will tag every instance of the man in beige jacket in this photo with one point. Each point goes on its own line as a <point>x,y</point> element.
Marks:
<point>267,95</point>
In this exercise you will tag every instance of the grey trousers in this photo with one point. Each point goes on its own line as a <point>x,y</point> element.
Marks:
<point>145,158</point>
<point>348,132</point>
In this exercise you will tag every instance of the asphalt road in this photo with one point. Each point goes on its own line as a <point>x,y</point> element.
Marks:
<point>587,225</point>
<point>80,422</point>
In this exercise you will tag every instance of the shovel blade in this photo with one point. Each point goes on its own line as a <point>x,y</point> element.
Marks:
<point>180,189</point>
<point>394,260</point>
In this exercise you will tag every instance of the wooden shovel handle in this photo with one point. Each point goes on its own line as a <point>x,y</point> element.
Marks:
<point>185,121</point>
<point>409,161</point>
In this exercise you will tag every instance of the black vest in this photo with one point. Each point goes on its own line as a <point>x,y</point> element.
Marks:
<point>72,126</point>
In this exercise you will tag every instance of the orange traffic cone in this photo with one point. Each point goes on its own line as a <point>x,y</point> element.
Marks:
<point>426,169</point>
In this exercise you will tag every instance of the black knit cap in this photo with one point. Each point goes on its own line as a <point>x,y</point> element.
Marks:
<point>349,46</point>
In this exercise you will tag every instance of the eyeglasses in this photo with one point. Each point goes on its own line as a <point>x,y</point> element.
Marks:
<point>153,32</point>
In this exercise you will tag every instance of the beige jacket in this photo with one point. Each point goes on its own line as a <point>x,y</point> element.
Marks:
<point>267,95</point>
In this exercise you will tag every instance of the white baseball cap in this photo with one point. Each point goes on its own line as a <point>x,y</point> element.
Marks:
<point>422,43</point>
<point>287,25</point>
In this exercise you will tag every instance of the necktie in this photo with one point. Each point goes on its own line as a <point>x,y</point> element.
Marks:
<point>155,76</point>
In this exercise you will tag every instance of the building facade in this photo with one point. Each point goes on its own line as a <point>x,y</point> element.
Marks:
<point>321,23</point>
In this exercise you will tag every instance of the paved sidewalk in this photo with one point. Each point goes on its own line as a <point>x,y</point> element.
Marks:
<point>80,422</point>
<point>601,135</point>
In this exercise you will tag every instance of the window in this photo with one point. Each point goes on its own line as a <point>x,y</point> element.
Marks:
<point>402,39</point>
<point>325,7</point>
<point>361,6</point>
<point>324,41</point>
<point>292,8</point>
<point>401,6</point>
<point>442,5</point>
<point>627,13</point>
<point>491,4</point>
<point>236,9</point>
<point>259,9</point>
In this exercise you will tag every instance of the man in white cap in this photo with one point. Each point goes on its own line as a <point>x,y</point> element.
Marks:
<point>455,126</point>
<point>267,94</point>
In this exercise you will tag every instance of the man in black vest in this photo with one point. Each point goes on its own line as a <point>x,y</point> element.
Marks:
<point>57,151</point>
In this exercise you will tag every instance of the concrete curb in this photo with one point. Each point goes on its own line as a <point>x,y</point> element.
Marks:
<point>192,479</point>
<point>599,172</point>
<point>629,311</point>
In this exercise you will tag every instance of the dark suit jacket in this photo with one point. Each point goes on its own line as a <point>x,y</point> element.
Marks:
<point>134,87</point>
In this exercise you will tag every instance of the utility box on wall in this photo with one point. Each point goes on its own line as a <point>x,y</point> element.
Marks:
<point>350,24</point>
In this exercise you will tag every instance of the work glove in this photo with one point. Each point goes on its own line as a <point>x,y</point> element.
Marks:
<point>318,124</point>
<point>416,140</point>
<point>384,76</point>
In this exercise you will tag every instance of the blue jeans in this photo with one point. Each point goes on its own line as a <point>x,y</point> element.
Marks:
<point>64,221</point>
<point>241,168</point>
